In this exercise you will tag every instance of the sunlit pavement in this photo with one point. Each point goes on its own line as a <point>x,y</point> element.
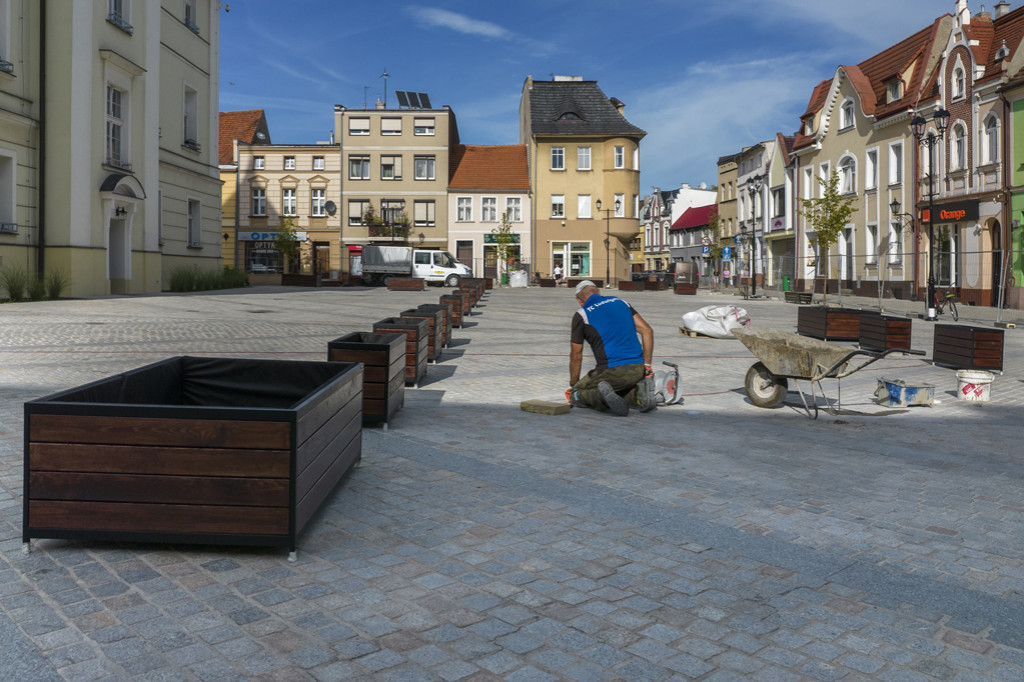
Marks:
<point>710,540</point>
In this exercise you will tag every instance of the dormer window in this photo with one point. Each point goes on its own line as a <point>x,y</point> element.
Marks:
<point>1003,52</point>
<point>892,91</point>
<point>846,114</point>
<point>569,116</point>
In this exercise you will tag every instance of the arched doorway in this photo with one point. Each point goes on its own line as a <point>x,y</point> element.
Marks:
<point>121,195</point>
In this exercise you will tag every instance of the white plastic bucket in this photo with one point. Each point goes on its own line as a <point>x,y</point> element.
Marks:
<point>974,385</point>
<point>517,278</point>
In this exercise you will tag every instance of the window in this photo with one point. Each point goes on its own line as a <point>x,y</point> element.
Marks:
<point>423,126</point>
<point>8,191</point>
<point>423,213</point>
<point>117,14</point>
<point>778,202</point>
<point>895,163</point>
<point>258,163</point>
<point>464,209</point>
<point>289,163</point>
<point>259,201</point>
<point>390,126</point>
<point>318,163</point>
<point>620,206</point>
<point>557,205</point>
<point>558,158</point>
<point>892,90</point>
<point>359,126</point>
<point>871,170</point>
<point>620,156</point>
<point>514,209</point>
<point>846,114</point>
<point>848,175</point>
<point>582,158</point>
<point>991,139</point>
<point>190,124</point>
<point>318,199</point>
<point>423,168</point>
<point>392,210</point>
<point>583,206</point>
<point>808,183</point>
<point>895,242</point>
<point>959,160</point>
<point>194,226</point>
<point>116,152</point>
<point>357,208</point>
<point>489,209</point>
<point>958,82</point>
<point>359,167</point>
<point>390,167</point>
<point>636,158</point>
<point>288,201</point>
<point>871,248</point>
<point>190,16</point>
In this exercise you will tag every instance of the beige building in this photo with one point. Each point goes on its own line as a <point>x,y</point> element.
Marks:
<point>585,174</point>
<point>397,162</point>
<point>123,113</point>
<point>236,127</point>
<point>728,211</point>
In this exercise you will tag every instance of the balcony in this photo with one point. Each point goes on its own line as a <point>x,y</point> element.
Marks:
<point>116,19</point>
<point>189,143</point>
<point>6,66</point>
<point>192,26</point>
<point>118,163</point>
<point>9,228</point>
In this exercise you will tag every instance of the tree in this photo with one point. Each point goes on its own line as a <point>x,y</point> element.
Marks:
<point>378,226</point>
<point>714,232</point>
<point>828,216</point>
<point>287,242</point>
<point>504,242</point>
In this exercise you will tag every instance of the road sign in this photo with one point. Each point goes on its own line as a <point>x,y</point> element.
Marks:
<point>705,240</point>
<point>726,253</point>
<point>705,250</point>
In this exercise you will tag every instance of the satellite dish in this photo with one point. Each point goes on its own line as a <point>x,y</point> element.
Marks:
<point>330,207</point>
<point>261,135</point>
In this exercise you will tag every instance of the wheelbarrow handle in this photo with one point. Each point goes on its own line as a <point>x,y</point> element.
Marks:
<point>873,355</point>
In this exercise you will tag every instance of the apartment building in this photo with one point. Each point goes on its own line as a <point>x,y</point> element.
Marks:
<point>728,211</point>
<point>235,127</point>
<point>585,173</point>
<point>489,184</point>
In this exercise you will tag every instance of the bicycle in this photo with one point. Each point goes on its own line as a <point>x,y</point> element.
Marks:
<point>947,301</point>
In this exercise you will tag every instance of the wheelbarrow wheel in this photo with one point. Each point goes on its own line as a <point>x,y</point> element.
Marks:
<point>764,388</point>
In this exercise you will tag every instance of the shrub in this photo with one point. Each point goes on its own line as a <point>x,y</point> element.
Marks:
<point>56,282</point>
<point>36,289</point>
<point>14,280</point>
<point>191,278</point>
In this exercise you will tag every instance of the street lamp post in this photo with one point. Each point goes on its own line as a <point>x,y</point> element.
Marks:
<point>929,140</point>
<point>754,188</point>
<point>607,239</point>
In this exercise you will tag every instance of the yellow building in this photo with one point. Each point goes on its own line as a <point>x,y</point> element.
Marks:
<point>114,140</point>
<point>585,174</point>
<point>236,127</point>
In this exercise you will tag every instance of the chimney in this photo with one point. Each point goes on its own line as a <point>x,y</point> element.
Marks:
<point>982,14</point>
<point>380,104</point>
<point>1002,8</point>
<point>618,104</point>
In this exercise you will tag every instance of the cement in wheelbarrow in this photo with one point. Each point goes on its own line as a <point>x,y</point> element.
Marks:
<point>786,354</point>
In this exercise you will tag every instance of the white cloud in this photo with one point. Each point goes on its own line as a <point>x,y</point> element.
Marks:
<point>458,22</point>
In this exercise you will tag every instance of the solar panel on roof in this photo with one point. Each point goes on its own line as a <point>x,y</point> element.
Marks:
<point>403,100</point>
<point>424,101</point>
<point>414,100</point>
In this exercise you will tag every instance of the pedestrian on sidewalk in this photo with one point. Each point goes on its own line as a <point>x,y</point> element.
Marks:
<point>558,275</point>
<point>622,377</point>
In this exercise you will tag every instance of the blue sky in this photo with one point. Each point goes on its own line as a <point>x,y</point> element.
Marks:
<point>703,79</point>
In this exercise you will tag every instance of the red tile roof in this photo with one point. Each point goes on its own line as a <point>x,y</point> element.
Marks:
<point>242,126</point>
<point>1008,28</point>
<point>695,217</point>
<point>494,167</point>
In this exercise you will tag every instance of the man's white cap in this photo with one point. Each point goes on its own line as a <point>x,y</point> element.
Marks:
<point>583,285</point>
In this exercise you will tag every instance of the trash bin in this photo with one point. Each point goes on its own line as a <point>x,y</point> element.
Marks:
<point>785,283</point>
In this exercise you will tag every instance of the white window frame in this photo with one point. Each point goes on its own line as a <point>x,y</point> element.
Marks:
<point>393,127</point>
<point>189,15</point>
<point>824,170</point>
<point>9,186</point>
<point>463,209</point>
<point>959,81</point>
<point>583,206</point>
<point>558,158</point>
<point>318,163</point>
<point>583,158</point>
<point>289,163</point>
<point>364,161</point>
<point>190,117</point>
<point>359,125</point>
<point>871,244</point>
<point>808,183</point>
<point>893,90</point>
<point>990,130</point>
<point>289,202</point>
<point>871,169</point>
<point>424,212</point>
<point>318,202</point>
<point>259,163</point>
<point>424,167</point>
<point>363,205</point>
<point>488,209</point>
<point>514,209</point>
<point>896,242</point>
<point>558,206</point>
<point>958,147</point>
<point>116,108</point>
<point>620,201</point>
<point>895,165</point>
<point>619,156</point>
<point>846,110</point>
<point>395,167</point>
<point>423,126</point>
<point>194,223</point>
<point>847,168</point>
<point>259,202</point>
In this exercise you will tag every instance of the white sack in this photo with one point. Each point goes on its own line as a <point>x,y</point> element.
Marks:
<point>716,321</point>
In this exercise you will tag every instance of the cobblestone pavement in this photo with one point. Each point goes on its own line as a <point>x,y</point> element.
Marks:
<point>711,540</point>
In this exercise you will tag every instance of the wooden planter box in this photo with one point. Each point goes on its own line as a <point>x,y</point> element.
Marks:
<point>685,289</point>
<point>478,282</point>
<point>192,450</point>
<point>655,285</point>
<point>630,285</point>
<point>383,358</point>
<point>435,329</point>
<point>467,299</point>
<point>966,347</point>
<point>455,302</point>
<point>446,319</point>
<point>548,282</point>
<point>829,324</point>
<point>571,282</point>
<point>882,332</point>
<point>406,284</point>
<point>801,297</point>
<point>415,345</point>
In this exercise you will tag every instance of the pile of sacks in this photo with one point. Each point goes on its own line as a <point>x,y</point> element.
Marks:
<point>716,321</point>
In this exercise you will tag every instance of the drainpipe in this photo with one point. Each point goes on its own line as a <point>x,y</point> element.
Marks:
<point>41,194</point>
<point>915,186</point>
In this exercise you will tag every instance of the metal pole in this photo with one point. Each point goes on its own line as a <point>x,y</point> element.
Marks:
<point>607,248</point>
<point>930,303</point>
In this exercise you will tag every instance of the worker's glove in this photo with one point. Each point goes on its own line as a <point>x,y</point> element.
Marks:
<point>648,371</point>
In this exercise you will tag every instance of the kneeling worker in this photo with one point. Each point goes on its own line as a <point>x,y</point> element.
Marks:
<point>623,377</point>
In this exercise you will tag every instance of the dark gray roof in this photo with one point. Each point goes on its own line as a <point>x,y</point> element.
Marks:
<point>596,115</point>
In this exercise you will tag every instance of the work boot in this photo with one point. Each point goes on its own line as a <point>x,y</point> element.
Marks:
<point>615,402</point>
<point>646,398</point>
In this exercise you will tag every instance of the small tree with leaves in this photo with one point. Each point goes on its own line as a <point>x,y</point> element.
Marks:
<point>827,215</point>
<point>504,242</point>
<point>714,232</point>
<point>286,241</point>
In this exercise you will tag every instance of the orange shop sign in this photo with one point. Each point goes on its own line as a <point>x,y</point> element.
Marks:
<point>952,213</point>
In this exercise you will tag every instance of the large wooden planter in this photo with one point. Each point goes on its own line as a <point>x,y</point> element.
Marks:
<point>685,289</point>
<point>883,332</point>
<point>829,324</point>
<point>477,282</point>
<point>654,285</point>
<point>468,300</point>
<point>966,347</point>
<point>456,305</point>
<point>547,282</point>
<point>446,319</point>
<point>406,284</point>
<point>193,450</point>
<point>571,282</point>
<point>415,344</point>
<point>630,285</point>
<point>383,358</point>
<point>435,329</point>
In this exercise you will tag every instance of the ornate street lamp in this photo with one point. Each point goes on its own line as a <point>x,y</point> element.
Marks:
<point>754,188</point>
<point>607,238</point>
<point>929,140</point>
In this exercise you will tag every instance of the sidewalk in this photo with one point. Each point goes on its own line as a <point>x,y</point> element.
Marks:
<point>711,540</point>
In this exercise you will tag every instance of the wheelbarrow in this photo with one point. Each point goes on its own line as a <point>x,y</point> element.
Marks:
<point>785,355</point>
